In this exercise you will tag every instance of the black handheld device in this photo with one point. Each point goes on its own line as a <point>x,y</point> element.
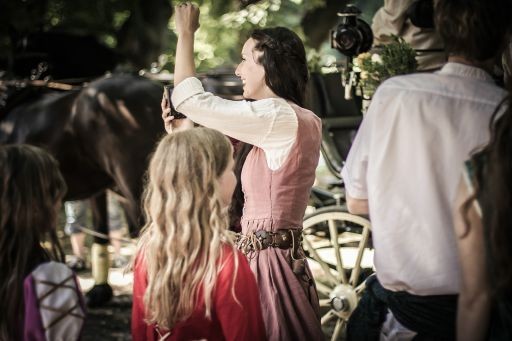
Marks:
<point>167,93</point>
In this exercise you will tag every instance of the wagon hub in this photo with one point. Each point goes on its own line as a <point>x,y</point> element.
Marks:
<point>343,300</point>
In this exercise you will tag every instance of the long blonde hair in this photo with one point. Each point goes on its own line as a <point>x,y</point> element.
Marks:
<point>186,224</point>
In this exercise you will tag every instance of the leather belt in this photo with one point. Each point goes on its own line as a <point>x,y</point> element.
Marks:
<point>261,240</point>
<point>283,239</point>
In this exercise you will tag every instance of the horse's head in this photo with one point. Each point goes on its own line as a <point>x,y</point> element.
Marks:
<point>13,93</point>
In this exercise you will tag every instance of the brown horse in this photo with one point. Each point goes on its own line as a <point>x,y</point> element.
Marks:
<point>102,136</point>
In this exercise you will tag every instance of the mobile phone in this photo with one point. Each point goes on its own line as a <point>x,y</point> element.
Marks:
<point>167,93</point>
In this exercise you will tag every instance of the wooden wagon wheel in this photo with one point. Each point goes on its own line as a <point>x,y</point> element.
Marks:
<point>329,234</point>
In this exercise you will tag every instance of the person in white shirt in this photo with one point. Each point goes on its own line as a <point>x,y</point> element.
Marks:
<point>404,166</point>
<point>393,18</point>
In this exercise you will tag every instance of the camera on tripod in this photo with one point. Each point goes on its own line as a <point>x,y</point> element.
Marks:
<point>353,35</point>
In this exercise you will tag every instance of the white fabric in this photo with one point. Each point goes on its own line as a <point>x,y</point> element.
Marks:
<point>407,159</point>
<point>270,124</point>
<point>392,330</point>
<point>391,19</point>
<point>46,276</point>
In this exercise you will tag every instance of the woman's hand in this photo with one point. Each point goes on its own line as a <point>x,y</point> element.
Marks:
<point>173,125</point>
<point>186,17</point>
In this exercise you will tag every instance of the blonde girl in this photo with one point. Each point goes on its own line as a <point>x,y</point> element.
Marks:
<point>190,282</point>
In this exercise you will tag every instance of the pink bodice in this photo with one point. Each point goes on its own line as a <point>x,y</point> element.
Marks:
<point>277,199</point>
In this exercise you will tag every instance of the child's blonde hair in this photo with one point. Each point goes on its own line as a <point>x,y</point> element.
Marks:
<point>186,224</point>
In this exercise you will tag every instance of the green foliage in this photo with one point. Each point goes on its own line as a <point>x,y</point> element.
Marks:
<point>395,58</point>
<point>100,17</point>
<point>224,25</point>
<point>219,39</point>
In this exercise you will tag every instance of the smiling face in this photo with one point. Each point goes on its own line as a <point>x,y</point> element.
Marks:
<point>252,73</point>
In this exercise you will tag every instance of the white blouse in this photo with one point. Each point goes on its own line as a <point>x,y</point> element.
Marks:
<point>270,124</point>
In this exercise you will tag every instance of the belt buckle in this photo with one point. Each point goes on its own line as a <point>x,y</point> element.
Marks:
<point>282,239</point>
<point>265,238</point>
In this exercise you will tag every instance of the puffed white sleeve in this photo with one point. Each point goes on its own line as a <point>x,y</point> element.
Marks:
<point>251,122</point>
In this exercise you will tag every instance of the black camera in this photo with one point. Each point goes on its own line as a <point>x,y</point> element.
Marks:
<point>167,94</point>
<point>421,13</point>
<point>353,35</point>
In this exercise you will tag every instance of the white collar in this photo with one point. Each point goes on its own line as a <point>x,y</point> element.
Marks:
<point>464,70</point>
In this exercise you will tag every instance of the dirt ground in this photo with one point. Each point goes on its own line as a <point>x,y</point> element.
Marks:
<point>112,322</point>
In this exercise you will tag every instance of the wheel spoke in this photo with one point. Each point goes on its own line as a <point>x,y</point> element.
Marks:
<point>320,261</point>
<point>322,288</point>
<point>325,302</point>
<point>336,246</point>
<point>328,317</point>
<point>360,288</point>
<point>349,237</point>
<point>354,276</point>
<point>336,335</point>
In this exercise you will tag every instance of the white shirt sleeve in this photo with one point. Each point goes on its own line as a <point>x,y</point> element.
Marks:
<point>355,170</point>
<point>270,124</point>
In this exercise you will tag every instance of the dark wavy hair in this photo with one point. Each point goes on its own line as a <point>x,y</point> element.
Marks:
<point>237,201</point>
<point>494,194</point>
<point>31,189</point>
<point>475,29</point>
<point>284,61</point>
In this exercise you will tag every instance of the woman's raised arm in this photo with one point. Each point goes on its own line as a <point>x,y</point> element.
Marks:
<point>187,22</point>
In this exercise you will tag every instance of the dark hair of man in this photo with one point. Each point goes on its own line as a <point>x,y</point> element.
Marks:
<point>31,188</point>
<point>494,194</point>
<point>474,29</point>
<point>497,190</point>
<point>284,61</point>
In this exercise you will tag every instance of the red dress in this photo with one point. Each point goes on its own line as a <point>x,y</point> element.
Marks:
<point>229,320</point>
